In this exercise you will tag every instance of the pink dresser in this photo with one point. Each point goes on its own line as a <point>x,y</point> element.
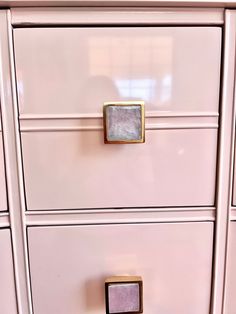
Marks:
<point>75,211</point>
<point>3,195</point>
<point>231,256</point>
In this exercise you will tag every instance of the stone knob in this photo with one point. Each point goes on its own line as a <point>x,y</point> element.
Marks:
<point>124,294</point>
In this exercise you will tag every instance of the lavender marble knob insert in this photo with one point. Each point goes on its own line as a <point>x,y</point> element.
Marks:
<point>124,294</point>
<point>124,122</point>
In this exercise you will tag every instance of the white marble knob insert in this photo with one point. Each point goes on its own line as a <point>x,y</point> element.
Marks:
<point>124,122</point>
<point>124,294</point>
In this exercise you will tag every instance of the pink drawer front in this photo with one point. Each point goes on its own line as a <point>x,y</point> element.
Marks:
<point>230,301</point>
<point>234,182</point>
<point>70,264</point>
<point>3,199</point>
<point>74,70</point>
<point>7,286</point>
<point>63,77</point>
<point>76,170</point>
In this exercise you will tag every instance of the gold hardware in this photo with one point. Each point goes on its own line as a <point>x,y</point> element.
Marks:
<point>124,122</point>
<point>124,294</point>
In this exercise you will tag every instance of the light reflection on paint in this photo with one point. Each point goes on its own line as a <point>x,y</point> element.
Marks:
<point>181,151</point>
<point>145,89</point>
<point>166,88</point>
<point>137,68</point>
<point>137,88</point>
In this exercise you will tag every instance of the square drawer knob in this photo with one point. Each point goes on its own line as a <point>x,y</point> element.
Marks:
<point>124,294</point>
<point>124,122</point>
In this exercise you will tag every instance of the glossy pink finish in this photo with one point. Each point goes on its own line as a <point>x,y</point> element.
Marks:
<point>234,181</point>
<point>65,170</point>
<point>175,70</point>
<point>63,74</point>
<point>75,70</point>
<point>230,300</point>
<point>152,14</point>
<point>180,4</point>
<point>3,200</point>
<point>164,66</point>
<point>7,286</point>
<point>70,264</point>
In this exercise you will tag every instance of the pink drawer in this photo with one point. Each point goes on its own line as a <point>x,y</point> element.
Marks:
<point>234,182</point>
<point>76,170</point>
<point>7,286</point>
<point>3,199</point>
<point>230,301</point>
<point>74,70</point>
<point>70,264</point>
<point>63,77</point>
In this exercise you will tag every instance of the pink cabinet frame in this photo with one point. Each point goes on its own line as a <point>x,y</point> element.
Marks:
<point>19,219</point>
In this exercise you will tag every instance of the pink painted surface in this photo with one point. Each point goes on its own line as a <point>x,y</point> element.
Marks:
<point>75,70</point>
<point>113,13</point>
<point>70,264</point>
<point>65,170</point>
<point>7,286</point>
<point>234,181</point>
<point>3,200</point>
<point>175,70</point>
<point>230,300</point>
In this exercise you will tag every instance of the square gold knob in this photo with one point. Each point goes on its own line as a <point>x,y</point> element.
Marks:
<point>124,122</point>
<point>124,294</point>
